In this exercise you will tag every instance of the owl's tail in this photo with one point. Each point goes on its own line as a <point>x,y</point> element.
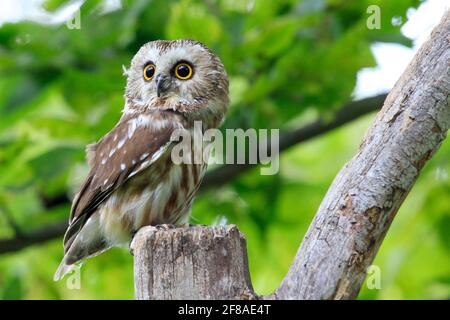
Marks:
<point>87,242</point>
<point>63,269</point>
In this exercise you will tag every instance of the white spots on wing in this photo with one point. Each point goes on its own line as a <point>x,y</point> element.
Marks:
<point>121,143</point>
<point>144,164</point>
<point>115,137</point>
<point>148,162</point>
<point>122,166</point>
<point>133,173</point>
<point>113,150</point>
<point>105,182</point>
<point>103,161</point>
<point>131,129</point>
<point>158,153</point>
<point>145,155</point>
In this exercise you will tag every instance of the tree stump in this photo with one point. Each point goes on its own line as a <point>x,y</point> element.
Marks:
<point>196,262</point>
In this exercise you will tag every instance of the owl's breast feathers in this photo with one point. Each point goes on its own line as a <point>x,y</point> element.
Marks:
<point>120,162</point>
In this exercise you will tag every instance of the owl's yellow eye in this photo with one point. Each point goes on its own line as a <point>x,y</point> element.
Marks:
<point>183,71</point>
<point>149,71</point>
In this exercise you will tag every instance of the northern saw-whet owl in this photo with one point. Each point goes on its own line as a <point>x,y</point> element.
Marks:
<point>133,181</point>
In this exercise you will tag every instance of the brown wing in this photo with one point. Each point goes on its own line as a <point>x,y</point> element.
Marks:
<point>134,144</point>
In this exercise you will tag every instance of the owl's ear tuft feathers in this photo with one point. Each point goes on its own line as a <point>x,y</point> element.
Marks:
<point>125,71</point>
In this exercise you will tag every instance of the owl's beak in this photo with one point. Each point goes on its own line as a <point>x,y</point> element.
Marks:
<point>162,84</point>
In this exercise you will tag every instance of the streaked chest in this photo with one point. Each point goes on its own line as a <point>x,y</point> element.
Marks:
<point>160,194</point>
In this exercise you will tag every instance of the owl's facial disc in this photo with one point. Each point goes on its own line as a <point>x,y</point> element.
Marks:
<point>170,74</point>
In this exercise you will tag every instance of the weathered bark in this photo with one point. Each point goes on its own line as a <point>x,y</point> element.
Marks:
<point>191,263</point>
<point>352,220</point>
<point>362,201</point>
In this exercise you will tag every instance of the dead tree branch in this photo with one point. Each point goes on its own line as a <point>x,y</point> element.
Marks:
<point>213,178</point>
<point>362,201</point>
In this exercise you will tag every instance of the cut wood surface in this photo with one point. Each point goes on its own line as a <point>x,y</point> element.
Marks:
<point>197,262</point>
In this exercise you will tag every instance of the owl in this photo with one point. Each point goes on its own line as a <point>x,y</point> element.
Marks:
<point>133,181</point>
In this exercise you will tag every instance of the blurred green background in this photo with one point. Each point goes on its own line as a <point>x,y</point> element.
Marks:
<point>289,62</point>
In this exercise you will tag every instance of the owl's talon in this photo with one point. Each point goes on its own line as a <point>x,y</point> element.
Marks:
<point>165,227</point>
<point>186,225</point>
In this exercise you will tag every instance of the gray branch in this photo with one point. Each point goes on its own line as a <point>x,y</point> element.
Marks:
<point>350,224</point>
<point>213,178</point>
<point>363,199</point>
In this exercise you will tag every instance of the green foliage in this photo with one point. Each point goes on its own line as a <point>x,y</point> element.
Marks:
<point>287,60</point>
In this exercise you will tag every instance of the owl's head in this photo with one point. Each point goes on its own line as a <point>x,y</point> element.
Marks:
<point>183,75</point>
